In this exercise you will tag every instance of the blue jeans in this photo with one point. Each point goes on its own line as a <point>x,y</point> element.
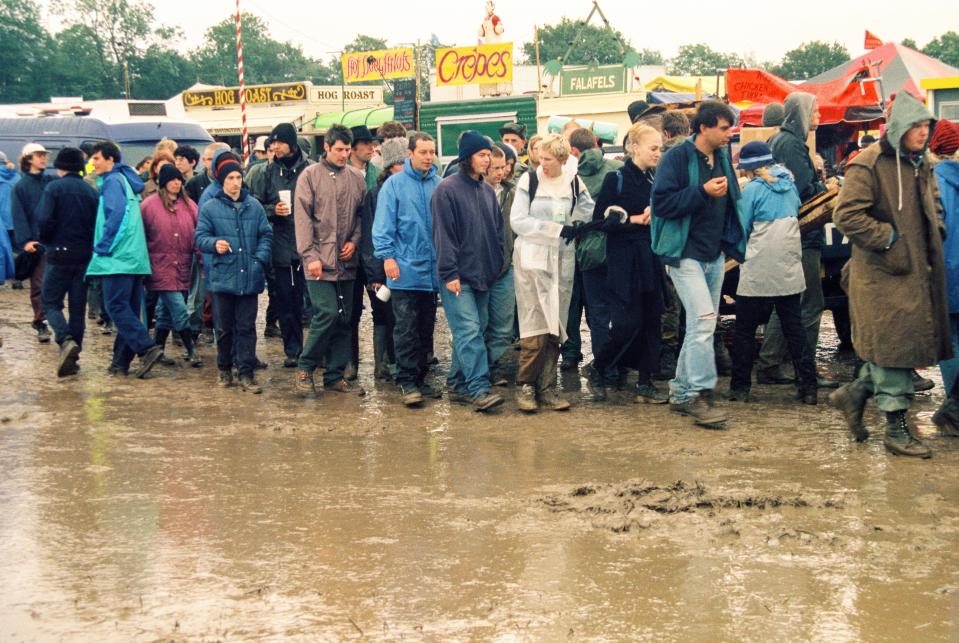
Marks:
<point>699,286</point>
<point>171,310</point>
<point>502,313</point>
<point>61,281</point>
<point>123,296</point>
<point>468,316</point>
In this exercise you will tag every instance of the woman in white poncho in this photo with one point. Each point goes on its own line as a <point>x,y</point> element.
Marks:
<point>543,264</point>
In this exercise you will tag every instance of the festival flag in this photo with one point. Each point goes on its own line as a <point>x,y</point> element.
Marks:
<point>872,42</point>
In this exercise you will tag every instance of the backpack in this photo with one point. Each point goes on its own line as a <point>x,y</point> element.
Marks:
<point>591,248</point>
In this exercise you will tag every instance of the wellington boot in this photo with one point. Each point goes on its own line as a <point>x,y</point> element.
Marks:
<point>192,357</point>
<point>159,338</point>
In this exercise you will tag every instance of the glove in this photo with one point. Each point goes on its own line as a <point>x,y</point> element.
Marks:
<point>569,233</point>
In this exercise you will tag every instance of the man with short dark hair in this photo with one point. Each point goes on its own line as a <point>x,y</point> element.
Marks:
<point>327,210</point>
<point>186,158</point>
<point>695,222</point>
<point>67,215</point>
<point>121,260</point>
<point>675,129</point>
<point>468,236</point>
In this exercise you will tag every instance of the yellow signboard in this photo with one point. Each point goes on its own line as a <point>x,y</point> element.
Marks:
<point>255,95</point>
<point>479,64</point>
<point>364,66</point>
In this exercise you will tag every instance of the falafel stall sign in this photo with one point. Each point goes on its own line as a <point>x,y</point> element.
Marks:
<point>363,66</point>
<point>479,64</point>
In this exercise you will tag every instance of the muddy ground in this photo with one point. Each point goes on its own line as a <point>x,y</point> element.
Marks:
<point>168,508</point>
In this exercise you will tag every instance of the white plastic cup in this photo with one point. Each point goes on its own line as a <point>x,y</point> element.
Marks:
<point>285,197</point>
<point>383,293</point>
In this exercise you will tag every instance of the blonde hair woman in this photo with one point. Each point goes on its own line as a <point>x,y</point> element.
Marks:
<point>547,203</point>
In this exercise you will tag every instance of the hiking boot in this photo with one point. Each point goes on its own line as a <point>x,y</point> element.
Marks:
<point>900,440</point>
<point>259,365</point>
<point>411,396</point>
<point>115,370</point>
<point>249,385</point>
<point>701,411</point>
<point>550,398</point>
<point>946,418</point>
<point>17,284</point>
<point>107,328</point>
<point>773,376</point>
<point>526,399</point>
<point>920,383</point>
<point>290,362</point>
<point>810,396</point>
<point>850,399</point>
<point>595,381</point>
<point>648,394</point>
<point>69,354</point>
<point>737,395</point>
<point>304,383</point>
<point>342,386</point>
<point>147,360</point>
<point>486,401</point>
<point>272,330</point>
<point>43,332</point>
<point>225,379</point>
<point>429,391</point>
<point>458,398</point>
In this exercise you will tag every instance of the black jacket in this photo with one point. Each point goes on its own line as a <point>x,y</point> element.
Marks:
<point>790,150</point>
<point>23,207</point>
<point>195,186</point>
<point>67,218</point>
<point>632,268</point>
<point>372,267</point>
<point>278,176</point>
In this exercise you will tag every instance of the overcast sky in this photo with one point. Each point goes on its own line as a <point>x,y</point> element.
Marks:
<point>764,30</point>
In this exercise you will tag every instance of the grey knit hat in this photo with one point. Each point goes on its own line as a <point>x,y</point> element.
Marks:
<point>773,115</point>
<point>393,151</point>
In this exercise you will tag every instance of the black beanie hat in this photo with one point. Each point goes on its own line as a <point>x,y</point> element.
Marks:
<point>167,173</point>
<point>225,164</point>
<point>69,159</point>
<point>285,133</point>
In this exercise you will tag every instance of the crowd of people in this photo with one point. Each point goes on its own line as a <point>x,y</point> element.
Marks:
<point>515,239</point>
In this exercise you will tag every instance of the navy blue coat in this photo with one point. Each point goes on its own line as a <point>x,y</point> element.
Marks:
<point>243,224</point>
<point>23,207</point>
<point>67,218</point>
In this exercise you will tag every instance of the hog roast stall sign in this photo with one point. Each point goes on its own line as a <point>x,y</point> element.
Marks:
<point>471,65</point>
<point>256,95</point>
<point>382,64</point>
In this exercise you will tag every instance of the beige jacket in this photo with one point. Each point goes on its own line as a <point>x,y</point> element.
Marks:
<point>326,214</point>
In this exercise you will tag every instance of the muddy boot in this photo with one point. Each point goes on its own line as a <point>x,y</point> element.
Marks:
<point>850,399</point>
<point>304,383</point>
<point>248,384</point>
<point>412,396</point>
<point>807,395</point>
<point>946,418</point>
<point>192,357</point>
<point>69,354</point>
<point>595,381</point>
<point>920,383</point>
<point>701,410</point>
<point>381,369</point>
<point>148,359</point>
<point>225,378</point>
<point>899,438</point>
<point>526,398</point>
<point>159,338</point>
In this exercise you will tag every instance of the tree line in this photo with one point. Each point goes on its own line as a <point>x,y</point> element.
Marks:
<point>115,49</point>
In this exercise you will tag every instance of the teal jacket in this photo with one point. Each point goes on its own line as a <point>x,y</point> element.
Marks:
<point>678,196</point>
<point>119,241</point>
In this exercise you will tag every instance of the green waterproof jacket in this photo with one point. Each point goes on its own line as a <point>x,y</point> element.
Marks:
<point>119,241</point>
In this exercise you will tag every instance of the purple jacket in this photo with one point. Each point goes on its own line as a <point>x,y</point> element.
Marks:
<point>169,242</point>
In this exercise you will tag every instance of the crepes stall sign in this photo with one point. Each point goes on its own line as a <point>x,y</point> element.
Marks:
<point>256,95</point>
<point>479,64</point>
<point>364,66</point>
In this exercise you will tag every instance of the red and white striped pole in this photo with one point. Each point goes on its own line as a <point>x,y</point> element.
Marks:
<point>239,69</point>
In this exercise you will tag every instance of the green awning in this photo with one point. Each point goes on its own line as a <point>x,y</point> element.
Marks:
<point>372,117</point>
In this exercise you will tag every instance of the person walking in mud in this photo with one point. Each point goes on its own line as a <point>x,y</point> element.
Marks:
<point>327,209</point>
<point>694,224</point>
<point>896,279</point>
<point>233,230</point>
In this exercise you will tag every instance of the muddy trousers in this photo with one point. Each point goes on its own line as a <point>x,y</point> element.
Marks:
<point>328,342</point>
<point>413,312</point>
<point>752,312</point>
<point>123,297</point>
<point>61,281</point>
<point>774,350</point>
<point>538,356</point>
<point>891,387</point>
<point>235,323</point>
<point>36,289</point>
<point>635,337</point>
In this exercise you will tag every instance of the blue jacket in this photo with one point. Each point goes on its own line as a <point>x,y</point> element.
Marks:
<point>243,224</point>
<point>67,214</point>
<point>678,196</point>
<point>947,175</point>
<point>23,205</point>
<point>8,178</point>
<point>119,241</point>
<point>403,227</point>
<point>467,232</point>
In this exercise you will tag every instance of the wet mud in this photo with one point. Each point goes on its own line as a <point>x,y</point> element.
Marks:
<point>170,509</point>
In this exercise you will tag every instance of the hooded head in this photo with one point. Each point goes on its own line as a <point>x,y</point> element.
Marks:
<point>798,113</point>
<point>906,112</point>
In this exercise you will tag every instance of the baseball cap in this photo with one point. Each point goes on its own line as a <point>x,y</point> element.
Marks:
<point>260,145</point>
<point>31,148</point>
